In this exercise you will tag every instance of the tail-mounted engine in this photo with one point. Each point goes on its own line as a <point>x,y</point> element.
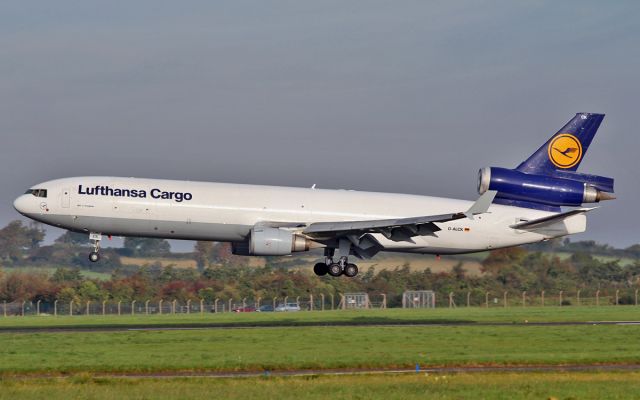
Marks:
<point>564,188</point>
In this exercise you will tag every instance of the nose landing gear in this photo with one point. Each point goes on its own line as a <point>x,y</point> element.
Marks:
<point>95,238</point>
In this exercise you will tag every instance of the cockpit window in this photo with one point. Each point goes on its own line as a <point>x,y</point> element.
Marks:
<point>37,192</point>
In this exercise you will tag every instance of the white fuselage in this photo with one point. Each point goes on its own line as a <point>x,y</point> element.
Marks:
<point>227,212</point>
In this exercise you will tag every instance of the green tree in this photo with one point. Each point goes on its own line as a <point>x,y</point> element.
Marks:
<point>67,275</point>
<point>88,290</point>
<point>207,294</point>
<point>16,239</point>
<point>147,247</point>
<point>68,294</point>
<point>73,238</point>
<point>202,253</point>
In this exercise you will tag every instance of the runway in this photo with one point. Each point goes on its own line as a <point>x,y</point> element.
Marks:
<point>346,371</point>
<point>213,326</point>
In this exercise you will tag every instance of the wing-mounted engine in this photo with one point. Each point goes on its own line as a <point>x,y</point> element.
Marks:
<point>556,190</point>
<point>268,241</point>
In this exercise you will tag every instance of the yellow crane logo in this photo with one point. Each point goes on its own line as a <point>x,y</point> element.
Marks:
<point>565,151</point>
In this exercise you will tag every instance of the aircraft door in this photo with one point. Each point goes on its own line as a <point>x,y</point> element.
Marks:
<point>66,197</point>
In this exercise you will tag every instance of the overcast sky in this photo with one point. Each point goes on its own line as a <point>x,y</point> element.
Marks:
<point>393,96</point>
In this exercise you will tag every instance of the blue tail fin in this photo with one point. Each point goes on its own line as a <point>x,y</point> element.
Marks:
<point>566,149</point>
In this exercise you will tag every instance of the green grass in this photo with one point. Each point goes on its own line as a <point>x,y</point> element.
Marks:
<point>84,355</point>
<point>364,317</point>
<point>50,270</point>
<point>317,348</point>
<point>624,261</point>
<point>619,385</point>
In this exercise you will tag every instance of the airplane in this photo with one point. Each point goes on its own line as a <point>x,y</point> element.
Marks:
<point>516,206</point>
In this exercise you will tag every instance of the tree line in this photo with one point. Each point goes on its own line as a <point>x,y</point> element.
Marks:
<point>223,275</point>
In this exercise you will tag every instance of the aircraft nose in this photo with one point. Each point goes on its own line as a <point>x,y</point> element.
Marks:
<point>21,204</point>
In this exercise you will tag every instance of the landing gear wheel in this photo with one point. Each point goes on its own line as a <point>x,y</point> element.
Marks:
<point>351,270</point>
<point>320,269</point>
<point>95,238</point>
<point>335,269</point>
<point>94,256</point>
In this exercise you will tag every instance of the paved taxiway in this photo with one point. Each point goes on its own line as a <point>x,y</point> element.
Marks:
<point>176,327</point>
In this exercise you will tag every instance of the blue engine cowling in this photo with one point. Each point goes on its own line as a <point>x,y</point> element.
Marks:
<point>543,189</point>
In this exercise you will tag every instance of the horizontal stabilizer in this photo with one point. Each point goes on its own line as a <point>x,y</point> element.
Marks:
<point>550,220</point>
<point>481,205</point>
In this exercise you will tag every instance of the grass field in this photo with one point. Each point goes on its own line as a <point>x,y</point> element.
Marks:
<point>584,386</point>
<point>463,315</point>
<point>292,348</point>
<point>79,357</point>
<point>176,262</point>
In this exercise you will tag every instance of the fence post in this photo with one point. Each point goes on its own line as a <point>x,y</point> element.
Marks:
<point>146,307</point>
<point>38,307</point>
<point>55,308</point>
<point>578,296</point>
<point>524,298</point>
<point>104,307</point>
<point>189,306</point>
<point>215,304</point>
<point>88,303</point>
<point>542,297</point>
<point>201,306</point>
<point>71,307</point>
<point>469,299</point>
<point>504,300</point>
<point>322,297</point>
<point>560,298</point>
<point>310,302</point>
<point>486,299</point>
<point>133,307</point>
<point>173,306</point>
<point>22,307</point>
<point>597,297</point>
<point>617,297</point>
<point>160,306</point>
<point>636,296</point>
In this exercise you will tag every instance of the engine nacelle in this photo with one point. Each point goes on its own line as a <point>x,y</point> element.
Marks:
<point>542,189</point>
<point>265,241</point>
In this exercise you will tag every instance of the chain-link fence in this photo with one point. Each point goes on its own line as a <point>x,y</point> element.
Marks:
<point>322,302</point>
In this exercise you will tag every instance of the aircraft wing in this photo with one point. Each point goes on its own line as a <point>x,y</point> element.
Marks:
<point>400,229</point>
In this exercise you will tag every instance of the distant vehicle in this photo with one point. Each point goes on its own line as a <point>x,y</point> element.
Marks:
<point>244,309</point>
<point>516,206</point>
<point>265,308</point>
<point>288,307</point>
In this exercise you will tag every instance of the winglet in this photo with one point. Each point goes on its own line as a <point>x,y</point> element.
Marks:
<point>481,205</point>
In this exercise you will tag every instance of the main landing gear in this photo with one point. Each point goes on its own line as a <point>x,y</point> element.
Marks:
<point>95,238</point>
<point>342,267</point>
